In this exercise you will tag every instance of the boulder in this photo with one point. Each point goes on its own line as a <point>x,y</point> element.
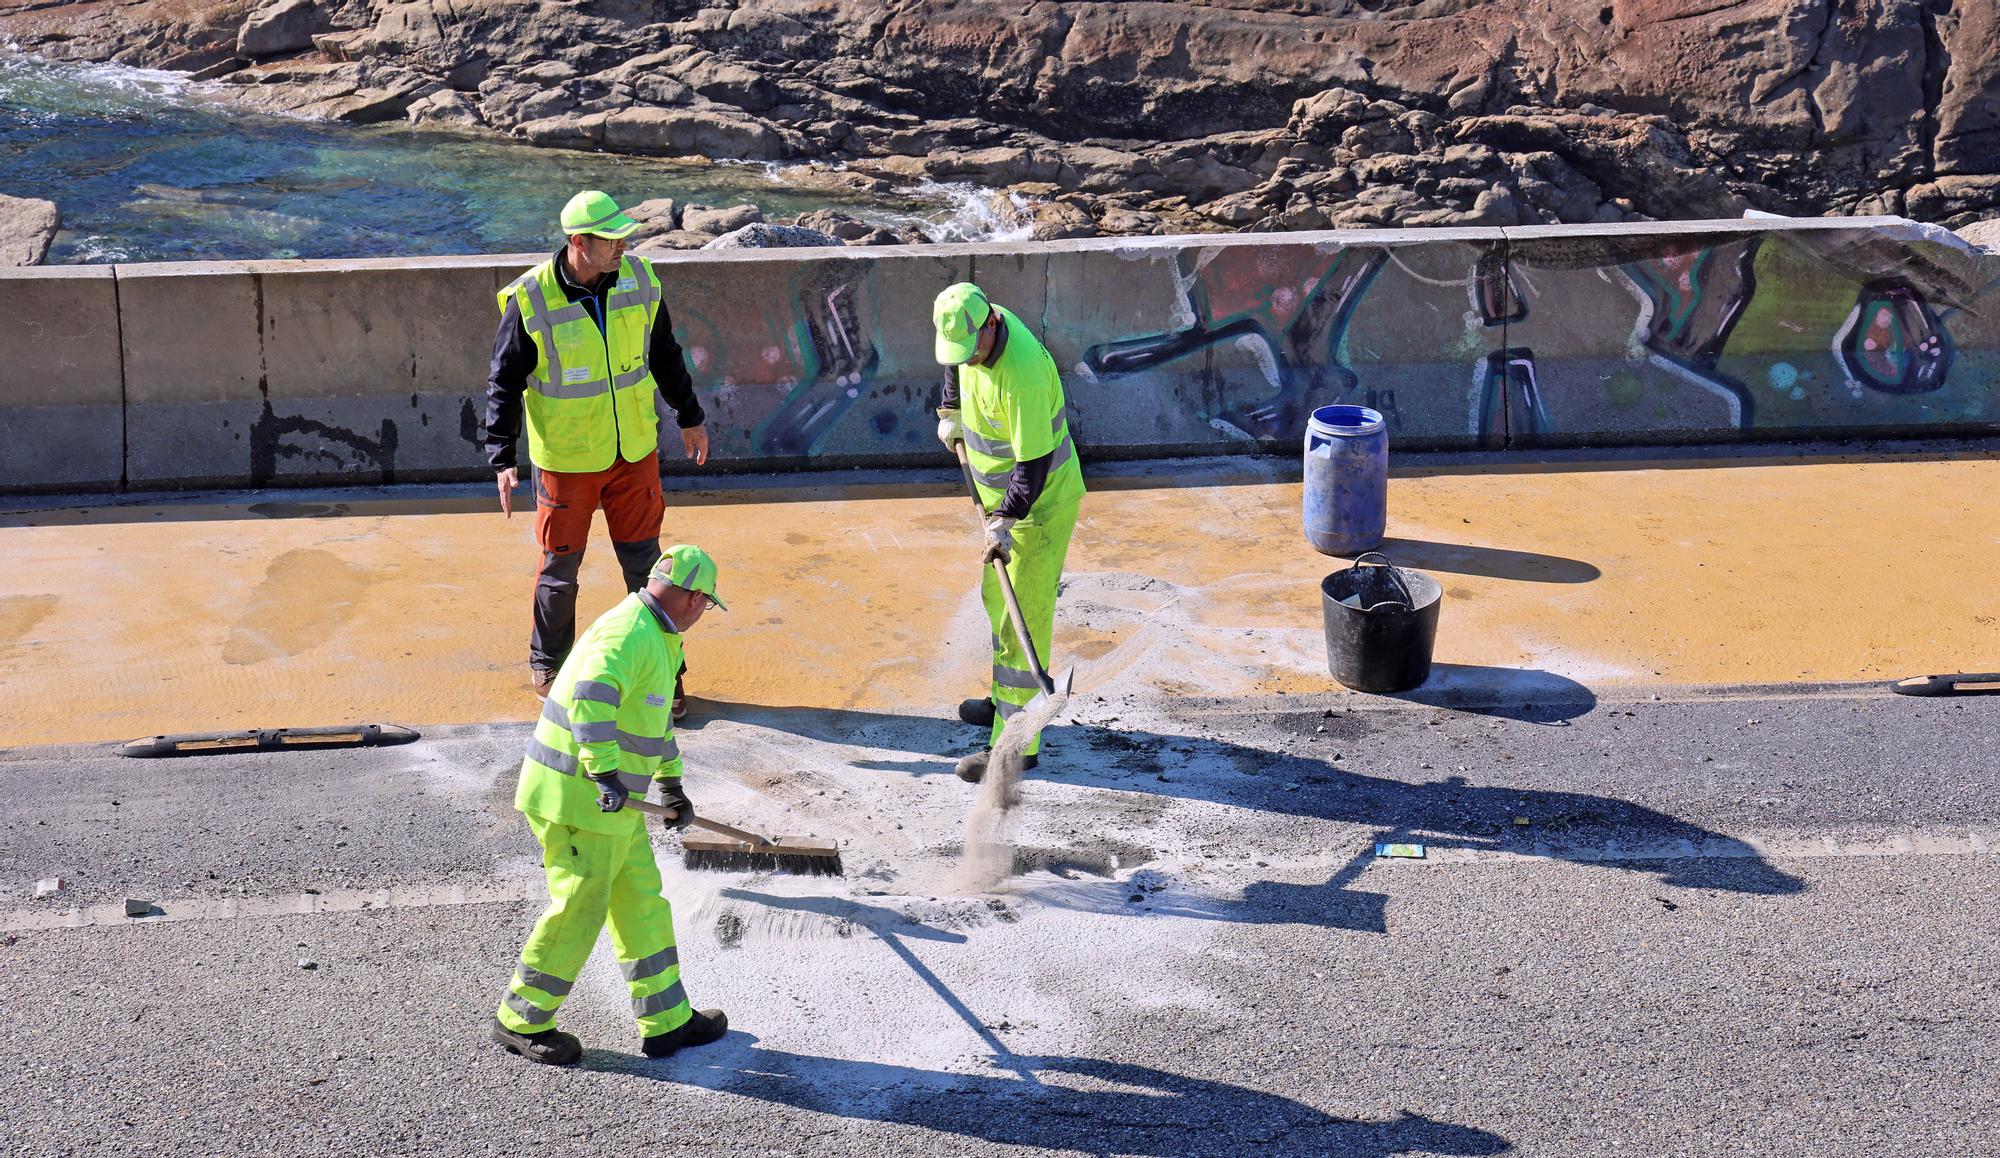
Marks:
<point>672,239</point>
<point>280,27</point>
<point>1117,219</point>
<point>764,235</point>
<point>1984,234</point>
<point>444,107</point>
<point>27,226</point>
<point>679,132</point>
<point>1054,220</point>
<point>724,82</point>
<point>836,224</point>
<point>659,211</point>
<point>713,221</point>
<point>1239,208</point>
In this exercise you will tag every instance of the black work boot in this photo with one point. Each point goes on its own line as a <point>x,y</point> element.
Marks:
<point>979,711</point>
<point>550,1047</point>
<point>705,1026</point>
<point>972,769</point>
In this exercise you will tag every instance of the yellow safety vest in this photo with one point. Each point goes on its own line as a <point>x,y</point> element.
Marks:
<point>1014,411</point>
<point>610,709</point>
<point>590,398</point>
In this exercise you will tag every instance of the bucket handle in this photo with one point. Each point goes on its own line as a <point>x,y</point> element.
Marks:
<point>1409,601</point>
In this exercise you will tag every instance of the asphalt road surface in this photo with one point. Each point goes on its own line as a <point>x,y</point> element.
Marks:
<point>1647,922</point>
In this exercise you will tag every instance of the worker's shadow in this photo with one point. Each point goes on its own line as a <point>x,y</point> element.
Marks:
<point>1055,1104</point>
<point>1060,1103</point>
<point>1447,812</point>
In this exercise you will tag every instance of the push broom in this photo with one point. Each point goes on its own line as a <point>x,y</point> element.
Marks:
<point>733,849</point>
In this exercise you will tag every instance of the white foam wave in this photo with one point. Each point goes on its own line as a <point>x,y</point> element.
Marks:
<point>31,81</point>
<point>978,214</point>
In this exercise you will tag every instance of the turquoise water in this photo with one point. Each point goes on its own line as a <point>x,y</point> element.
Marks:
<point>147,166</point>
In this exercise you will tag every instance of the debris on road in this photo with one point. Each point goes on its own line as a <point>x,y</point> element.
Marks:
<point>1406,851</point>
<point>139,908</point>
<point>48,887</point>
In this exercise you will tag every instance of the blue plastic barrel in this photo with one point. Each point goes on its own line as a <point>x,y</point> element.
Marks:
<point>1346,480</point>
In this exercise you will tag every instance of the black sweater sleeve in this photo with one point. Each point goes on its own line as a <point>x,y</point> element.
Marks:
<point>949,399</point>
<point>670,372</point>
<point>1024,486</point>
<point>513,360</point>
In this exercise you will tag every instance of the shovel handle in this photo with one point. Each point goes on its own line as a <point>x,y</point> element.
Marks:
<point>715,826</point>
<point>1006,584</point>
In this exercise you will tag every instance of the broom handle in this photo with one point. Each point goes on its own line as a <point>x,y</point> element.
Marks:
<point>1006,584</point>
<point>716,826</point>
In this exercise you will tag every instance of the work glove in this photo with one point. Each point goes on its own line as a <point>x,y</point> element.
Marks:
<point>676,798</point>
<point>951,428</point>
<point>1000,539</point>
<point>611,795</point>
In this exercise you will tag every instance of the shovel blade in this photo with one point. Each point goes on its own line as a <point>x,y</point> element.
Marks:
<point>1035,715</point>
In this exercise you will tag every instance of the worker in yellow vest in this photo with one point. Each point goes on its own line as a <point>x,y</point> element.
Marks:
<point>1004,401</point>
<point>584,343</point>
<point>607,734</point>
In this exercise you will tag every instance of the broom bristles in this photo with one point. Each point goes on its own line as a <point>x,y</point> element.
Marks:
<point>785,855</point>
<point>709,860</point>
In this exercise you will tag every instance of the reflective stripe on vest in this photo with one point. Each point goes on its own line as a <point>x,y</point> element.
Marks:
<point>658,748</point>
<point>589,399</point>
<point>602,730</point>
<point>998,468</point>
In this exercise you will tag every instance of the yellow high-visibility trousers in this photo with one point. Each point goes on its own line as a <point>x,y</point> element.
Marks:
<point>595,877</point>
<point>1041,543</point>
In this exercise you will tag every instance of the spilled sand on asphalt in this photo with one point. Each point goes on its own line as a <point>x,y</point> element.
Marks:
<point>1822,571</point>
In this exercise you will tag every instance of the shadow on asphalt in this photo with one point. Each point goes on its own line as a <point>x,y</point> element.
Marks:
<point>1445,812</point>
<point>1493,562</point>
<point>1530,695</point>
<point>1117,1107</point>
<point>1149,1112</point>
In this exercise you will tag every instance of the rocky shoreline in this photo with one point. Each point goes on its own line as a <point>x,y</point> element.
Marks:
<point>1150,118</point>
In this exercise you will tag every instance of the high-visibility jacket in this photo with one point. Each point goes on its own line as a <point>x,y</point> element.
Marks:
<point>1014,411</point>
<point>590,398</point>
<point>610,709</point>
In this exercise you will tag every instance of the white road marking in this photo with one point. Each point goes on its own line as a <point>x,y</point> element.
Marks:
<point>1783,847</point>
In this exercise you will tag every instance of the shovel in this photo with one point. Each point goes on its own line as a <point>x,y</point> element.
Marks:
<point>1041,711</point>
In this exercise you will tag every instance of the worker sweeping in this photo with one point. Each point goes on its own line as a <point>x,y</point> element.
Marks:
<point>1004,402</point>
<point>606,734</point>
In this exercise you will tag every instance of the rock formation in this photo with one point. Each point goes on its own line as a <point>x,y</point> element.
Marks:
<point>27,226</point>
<point>1170,115</point>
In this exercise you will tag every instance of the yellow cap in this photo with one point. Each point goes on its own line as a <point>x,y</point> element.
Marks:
<point>958,313</point>
<point>688,568</point>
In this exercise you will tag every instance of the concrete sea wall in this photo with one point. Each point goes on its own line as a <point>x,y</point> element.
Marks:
<point>312,372</point>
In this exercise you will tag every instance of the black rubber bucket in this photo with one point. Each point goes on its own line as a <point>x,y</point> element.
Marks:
<point>1381,623</point>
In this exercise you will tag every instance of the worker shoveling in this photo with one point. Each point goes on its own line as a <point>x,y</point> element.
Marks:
<point>1004,416</point>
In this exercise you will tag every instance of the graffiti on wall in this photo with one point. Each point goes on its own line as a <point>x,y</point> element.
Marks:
<point>1764,330</point>
<point>804,361</point>
<point>1288,305</point>
<point>1742,331</point>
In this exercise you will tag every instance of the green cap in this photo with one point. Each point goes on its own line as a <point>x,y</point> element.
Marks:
<point>596,213</point>
<point>959,312</point>
<point>689,568</point>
